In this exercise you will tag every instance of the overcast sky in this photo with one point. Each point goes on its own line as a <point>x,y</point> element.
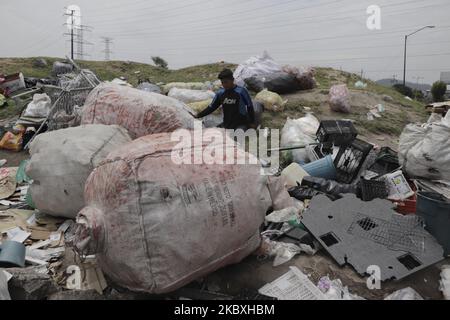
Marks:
<point>299,32</point>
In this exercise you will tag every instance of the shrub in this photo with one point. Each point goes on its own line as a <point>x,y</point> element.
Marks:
<point>438,91</point>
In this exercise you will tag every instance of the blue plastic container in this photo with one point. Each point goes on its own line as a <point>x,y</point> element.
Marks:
<point>435,210</point>
<point>322,168</point>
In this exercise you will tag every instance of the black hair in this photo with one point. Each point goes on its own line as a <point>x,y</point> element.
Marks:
<point>226,74</point>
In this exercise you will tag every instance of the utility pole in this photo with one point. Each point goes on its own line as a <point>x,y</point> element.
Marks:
<point>71,35</point>
<point>76,34</point>
<point>394,80</point>
<point>362,73</point>
<point>404,55</point>
<point>107,41</point>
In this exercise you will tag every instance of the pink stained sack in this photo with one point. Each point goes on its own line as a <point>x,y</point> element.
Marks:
<point>155,225</point>
<point>339,98</point>
<point>140,112</point>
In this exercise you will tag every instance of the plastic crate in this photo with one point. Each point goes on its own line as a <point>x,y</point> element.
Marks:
<point>319,151</point>
<point>385,162</point>
<point>338,132</point>
<point>350,159</point>
<point>372,189</point>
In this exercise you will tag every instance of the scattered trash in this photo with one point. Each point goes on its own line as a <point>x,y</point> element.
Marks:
<point>13,140</point>
<point>293,285</point>
<point>337,132</point>
<point>256,66</point>
<point>61,68</point>
<point>270,100</point>
<point>371,233</point>
<point>407,293</point>
<point>300,131</point>
<point>141,113</point>
<point>399,188</point>
<point>339,97</point>
<point>40,106</point>
<point>283,215</point>
<point>334,290</point>
<point>360,85</point>
<point>11,83</point>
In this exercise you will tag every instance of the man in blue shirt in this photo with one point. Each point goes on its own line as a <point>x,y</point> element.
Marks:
<point>238,112</point>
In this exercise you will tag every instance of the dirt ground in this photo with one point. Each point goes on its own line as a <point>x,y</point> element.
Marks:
<point>253,274</point>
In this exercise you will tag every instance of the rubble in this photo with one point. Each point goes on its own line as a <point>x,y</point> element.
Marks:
<point>30,284</point>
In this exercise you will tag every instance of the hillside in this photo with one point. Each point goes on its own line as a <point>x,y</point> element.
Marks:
<point>399,111</point>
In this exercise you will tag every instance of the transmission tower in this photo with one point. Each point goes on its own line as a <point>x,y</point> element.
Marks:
<point>107,41</point>
<point>77,35</point>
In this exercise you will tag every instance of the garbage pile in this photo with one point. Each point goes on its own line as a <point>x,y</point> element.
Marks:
<point>363,204</point>
<point>107,199</point>
<point>262,72</point>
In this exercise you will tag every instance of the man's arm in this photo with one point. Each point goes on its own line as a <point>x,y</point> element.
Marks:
<point>212,107</point>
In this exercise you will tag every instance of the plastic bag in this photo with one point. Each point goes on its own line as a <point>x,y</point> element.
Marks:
<point>62,160</point>
<point>283,251</point>
<point>149,87</point>
<point>61,68</point>
<point>141,113</point>
<point>304,75</point>
<point>271,100</point>
<point>155,225</point>
<point>339,98</point>
<point>39,107</point>
<point>189,96</point>
<point>185,85</point>
<point>300,131</point>
<point>283,215</point>
<point>424,150</point>
<point>256,66</point>
<point>280,82</point>
<point>404,294</point>
<point>335,290</point>
<point>201,105</point>
<point>13,140</point>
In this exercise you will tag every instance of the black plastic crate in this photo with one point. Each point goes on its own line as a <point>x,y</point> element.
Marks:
<point>372,189</point>
<point>386,162</point>
<point>350,159</point>
<point>322,150</point>
<point>338,132</point>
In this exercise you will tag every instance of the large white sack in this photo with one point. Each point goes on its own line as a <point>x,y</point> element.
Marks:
<point>39,107</point>
<point>185,85</point>
<point>140,112</point>
<point>155,225</point>
<point>189,96</point>
<point>300,131</point>
<point>424,150</point>
<point>62,160</point>
<point>256,66</point>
